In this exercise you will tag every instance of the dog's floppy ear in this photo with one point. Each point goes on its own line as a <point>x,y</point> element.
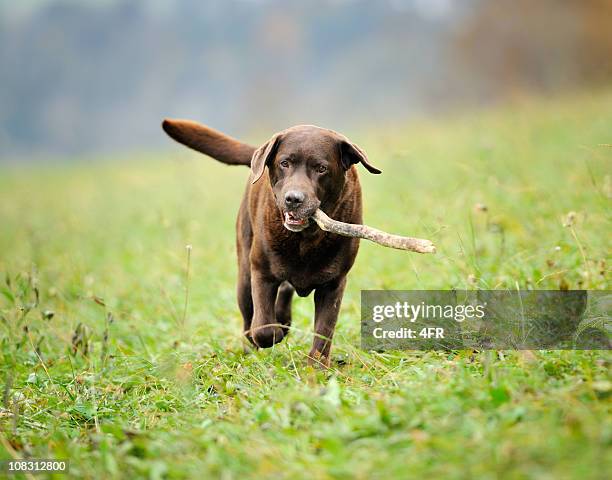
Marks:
<point>350,154</point>
<point>262,157</point>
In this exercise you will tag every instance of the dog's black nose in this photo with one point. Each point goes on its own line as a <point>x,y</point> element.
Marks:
<point>294,199</point>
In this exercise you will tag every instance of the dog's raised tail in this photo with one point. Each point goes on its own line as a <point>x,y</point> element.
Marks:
<point>209,141</point>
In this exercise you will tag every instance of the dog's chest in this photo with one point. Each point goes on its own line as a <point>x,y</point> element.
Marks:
<point>308,264</point>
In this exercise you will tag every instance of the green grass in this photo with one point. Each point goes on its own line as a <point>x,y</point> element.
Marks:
<point>164,392</point>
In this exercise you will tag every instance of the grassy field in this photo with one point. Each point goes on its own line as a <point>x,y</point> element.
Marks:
<point>123,357</point>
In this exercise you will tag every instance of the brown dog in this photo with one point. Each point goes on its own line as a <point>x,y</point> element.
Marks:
<point>280,250</point>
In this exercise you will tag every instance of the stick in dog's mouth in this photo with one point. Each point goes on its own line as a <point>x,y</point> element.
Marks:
<point>327,224</point>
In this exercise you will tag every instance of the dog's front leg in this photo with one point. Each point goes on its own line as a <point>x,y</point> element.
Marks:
<point>327,306</point>
<point>264,330</point>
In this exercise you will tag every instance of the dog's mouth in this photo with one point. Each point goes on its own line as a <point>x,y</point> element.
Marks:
<point>294,223</point>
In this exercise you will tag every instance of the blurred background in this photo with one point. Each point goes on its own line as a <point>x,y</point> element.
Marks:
<point>97,77</point>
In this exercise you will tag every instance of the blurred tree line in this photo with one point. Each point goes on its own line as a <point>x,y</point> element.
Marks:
<point>542,45</point>
<point>97,76</point>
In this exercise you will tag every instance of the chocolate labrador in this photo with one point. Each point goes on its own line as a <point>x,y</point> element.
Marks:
<point>280,249</point>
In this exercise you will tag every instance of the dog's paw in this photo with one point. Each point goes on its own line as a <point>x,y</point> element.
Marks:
<point>317,359</point>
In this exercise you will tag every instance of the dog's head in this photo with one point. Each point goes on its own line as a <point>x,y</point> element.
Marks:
<point>307,167</point>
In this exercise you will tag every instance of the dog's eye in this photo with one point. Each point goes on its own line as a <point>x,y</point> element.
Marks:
<point>321,169</point>
<point>284,164</point>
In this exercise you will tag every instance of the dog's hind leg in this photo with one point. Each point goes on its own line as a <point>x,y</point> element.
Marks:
<point>244,238</point>
<point>245,300</point>
<point>282,307</point>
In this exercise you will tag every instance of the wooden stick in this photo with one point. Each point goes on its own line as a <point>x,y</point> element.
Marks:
<point>418,245</point>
